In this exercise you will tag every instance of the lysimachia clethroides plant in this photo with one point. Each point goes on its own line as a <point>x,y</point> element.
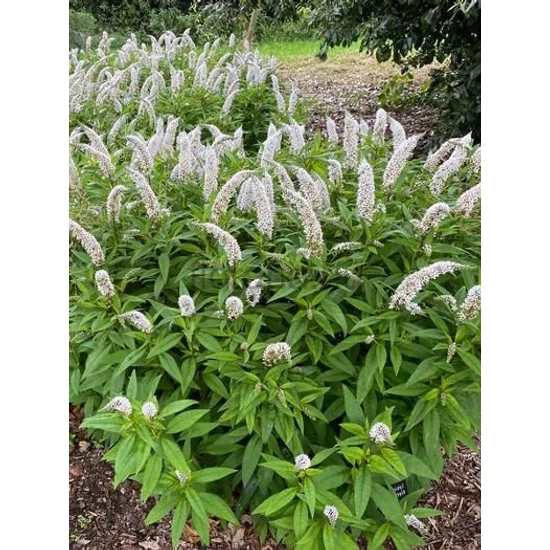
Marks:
<point>265,320</point>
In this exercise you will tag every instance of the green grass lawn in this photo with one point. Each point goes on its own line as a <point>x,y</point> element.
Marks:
<point>300,48</point>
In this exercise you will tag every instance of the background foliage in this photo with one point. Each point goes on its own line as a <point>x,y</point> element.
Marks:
<point>415,33</point>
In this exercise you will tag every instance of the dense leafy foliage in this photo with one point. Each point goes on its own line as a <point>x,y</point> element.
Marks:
<point>416,33</point>
<point>181,383</point>
<point>206,20</point>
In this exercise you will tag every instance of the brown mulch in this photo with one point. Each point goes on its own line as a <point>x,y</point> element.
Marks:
<point>352,82</point>
<point>458,495</point>
<point>103,518</point>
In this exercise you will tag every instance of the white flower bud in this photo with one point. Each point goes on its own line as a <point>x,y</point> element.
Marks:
<point>472,304</point>
<point>254,292</point>
<point>380,433</point>
<point>182,478</point>
<point>120,404</point>
<point>137,319</point>
<point>302,462</point>
<point>415,523</point>
<point>233,307</point>
<point>149,409</point>
<point>413,284</point>
<point>104,284</point>
<point>113,203</point>
<point>331,513</point>
<point>88,242</point>
<point>186,305</point>
<point>468,200</point>
<point>228,242</point>
<point>275,352</point>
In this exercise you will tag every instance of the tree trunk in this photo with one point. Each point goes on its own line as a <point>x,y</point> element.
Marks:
<point>251,26</point>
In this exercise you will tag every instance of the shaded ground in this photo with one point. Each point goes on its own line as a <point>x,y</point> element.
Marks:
<point>352,81</point>
<point>103,518</point>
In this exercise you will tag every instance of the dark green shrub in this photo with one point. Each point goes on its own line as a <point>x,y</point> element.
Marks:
<point>415,33</point>
<point>81,25</point>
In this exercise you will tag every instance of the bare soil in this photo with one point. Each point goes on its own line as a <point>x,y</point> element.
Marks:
<point>351,82</point>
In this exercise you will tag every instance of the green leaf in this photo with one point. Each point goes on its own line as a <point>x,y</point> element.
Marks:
<point>322,456</point>
<point>215,506</point>
<point>179,519</point>
<point>388,504</point>
<point>282,467</point>
<point>208,341</point>
<point>188,370</point>
<point>110,422</point>
<point>396,358</point>
<point>457,412</point>
<point>309,540</point>
<point>354,412</point>
<point>334,312</point>
<point>427,369</point>
<point>366,376</point>
<point>124,462</point>
<point>325,497</point>
<point>328,537</point>
<point>176,406</point>
<point>164,266</point>
<point>361,490</point>
<point>380,536</point>
<point>300,519</point>
<point>151,476</point>
<point>282,523</point>
<point>470,360</point>
<point>408,391</point>
<point>393,459</point>
<point>284,291</point>
<point>332,477</point>
<point>405,540</point>
<point>215,384</point>
<point>381,356</point>
<point>297,329</point>
<point>345,542</point>
<point>168,363</point>
<point>323,322</point>
<point>254,331</point>
<point>415,466</point>
<point>224,356</point>
<point>131,390</point>
<point>347,343</point>
<point>419,412</point>
<point>172,453</point>
<point>377,465</point>
<point>129,361</point>
<point>199,515</point>
<point>162,508</point>
<point>211,474</point>
<point>309,493</point>
<point>185,420</point>
<point>167,343</point>
<point>355,429</point>
<point>426,512</point>
<point>276,502</point>
<point>430,429</point>
<point>251,458</point>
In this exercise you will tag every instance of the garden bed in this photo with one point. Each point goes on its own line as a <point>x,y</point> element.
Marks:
<point>352,82</point>
<point>103,518</point>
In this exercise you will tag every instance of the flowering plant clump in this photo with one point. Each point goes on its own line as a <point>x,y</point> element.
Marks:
<point>265,321</point>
